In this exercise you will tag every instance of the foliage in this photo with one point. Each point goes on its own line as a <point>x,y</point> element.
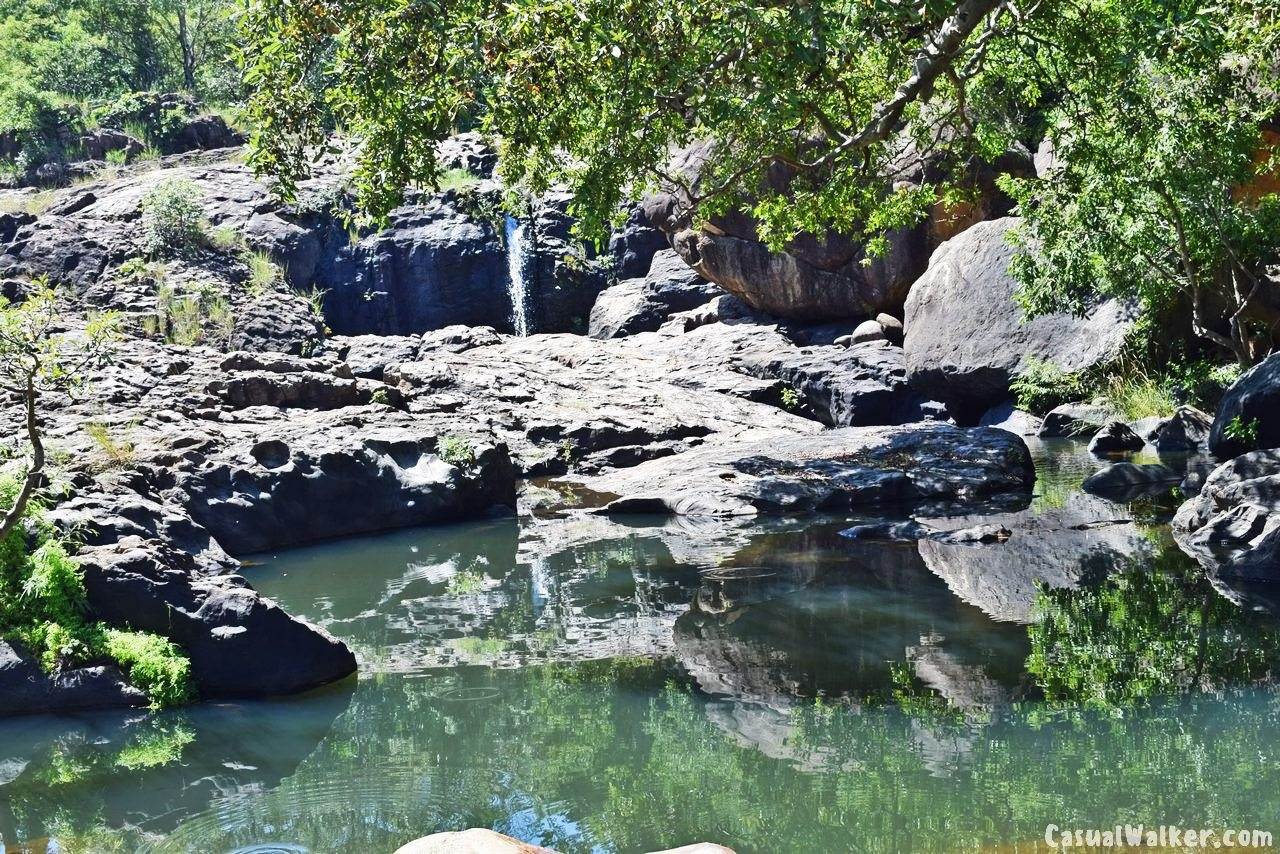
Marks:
<point>381,396</point>
<point>226,238</point>
<point>1042,385</point>
<point>456,450</point>
<point>118,452</point>
<point>790,398</point>
<point>172,218</point>
<point>152,663</point>
<point>202,316</point>
<point>264,274</point>
<point>457,180</point>
<point>42,601</point>
<point>1242,432</point>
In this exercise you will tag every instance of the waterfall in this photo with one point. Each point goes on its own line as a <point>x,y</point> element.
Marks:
<point>517,287</point>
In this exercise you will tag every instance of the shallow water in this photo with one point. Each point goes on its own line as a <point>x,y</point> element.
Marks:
<point>592,685</point>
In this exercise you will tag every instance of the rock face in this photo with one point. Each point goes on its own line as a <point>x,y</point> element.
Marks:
<point>820,277</point>
<point>966,337</point>
<point>838,469</point>
<point>644,304</point>
<point>1230,526</point>
<point>1252,405</point>
<point>25,688</point>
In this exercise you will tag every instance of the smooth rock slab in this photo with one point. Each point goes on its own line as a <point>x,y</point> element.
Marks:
<point>1115,437</point>
<point>1253,400</point>
<point>848,467</point>
<point>1075,421</point>
<point>1230,526</point>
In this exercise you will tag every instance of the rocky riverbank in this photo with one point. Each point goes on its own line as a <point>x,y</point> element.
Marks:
<point>396,395</point>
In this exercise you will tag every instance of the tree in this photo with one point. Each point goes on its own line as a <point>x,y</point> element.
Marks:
<point>37,358</point>
<point>839,96</point>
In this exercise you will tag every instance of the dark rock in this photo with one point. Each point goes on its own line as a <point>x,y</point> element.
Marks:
<point>1115,438</point>
<point>470,152</point>
<point>26,689</point>
<point>1075,421</point>
<point>99,142</point>
<point>203,133</point>
<point>239,643</point>
<point>1187,431</point>
<point>643,305</point>
<point>351,478</point>
<point>1229,525</point>
<point>892,328</point>
<point>966,337</point>
<point>837,469</point>
<point>1253,401</point>
<point>862,385</point>
<point>1126,481</point>
<point>634,245</point>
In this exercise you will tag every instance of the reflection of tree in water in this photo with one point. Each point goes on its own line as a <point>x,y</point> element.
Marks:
<point>1155,627</point>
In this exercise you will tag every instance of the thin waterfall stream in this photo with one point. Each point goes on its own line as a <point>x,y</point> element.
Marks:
<point>517,286</point>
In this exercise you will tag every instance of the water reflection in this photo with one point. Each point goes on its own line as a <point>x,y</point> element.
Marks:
<point>595,685</point>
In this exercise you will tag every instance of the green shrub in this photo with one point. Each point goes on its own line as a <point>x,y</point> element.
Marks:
<point>42,604</point>
<point>455,450</point>
<point>226,238</point>
<point>1243,432</point>
<point>200,317</point>
<point>457,180</point>
<point>1138,395</point>
<point>1043,385</point>
<point>117,157</point>
<point>119,453</point>
<point>790,398</point>
<point>152,663</point>
<point>172,218</point>
<point>381,396</point>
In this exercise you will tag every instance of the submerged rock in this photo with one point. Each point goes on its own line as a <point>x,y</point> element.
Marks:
<point>848,467</point>
<point>1127,481</point>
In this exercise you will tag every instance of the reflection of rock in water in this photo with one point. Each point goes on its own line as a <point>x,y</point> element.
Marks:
<point>107,769</point>
<point>831,624</point>
<point>1084,538</point>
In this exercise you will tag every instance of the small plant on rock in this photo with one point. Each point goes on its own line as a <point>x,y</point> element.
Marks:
<point>1242,431</point>
<point>455,450</point>
<point>264,274</point>
<point>790,398</point>
<point>118,453</point>
<point>173,221</point>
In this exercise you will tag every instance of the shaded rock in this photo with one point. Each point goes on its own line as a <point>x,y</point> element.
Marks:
<point>1007,416</point>
<point>863,385</point>
<point>1126,481</point>
<point>966,337</point>
<point>26,689</point>
<point>98,142</point>
<point>1253,401</point>
<point>1187,431</point>
<point>1114,438</point>
<point>634,245</point>
<point>1075,421</point>
<point>348,479</point>
<point>1147,427</point>
<point>891,326</point>
<point>468,151</point>
<point>1229,527</point>
<point>643,305</point>
<point>842,468</point>
<point>220,622</point>
<point>202,133</point>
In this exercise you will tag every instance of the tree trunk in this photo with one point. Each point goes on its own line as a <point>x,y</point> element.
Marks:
<point>34,474</point>
<point>188,52</point>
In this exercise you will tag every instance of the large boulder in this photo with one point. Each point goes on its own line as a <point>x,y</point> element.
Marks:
<point>644,304</point>
<point>1075,421</point>
<point>837,469</point>
<point>1184,432</point>
<point>219,621</point>
<point>1127,481</point>
<point>967,338</point>
<point>1230,525</point>
<point>826,275</point>
<point>26,689</point>
<point>1249,415</point>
